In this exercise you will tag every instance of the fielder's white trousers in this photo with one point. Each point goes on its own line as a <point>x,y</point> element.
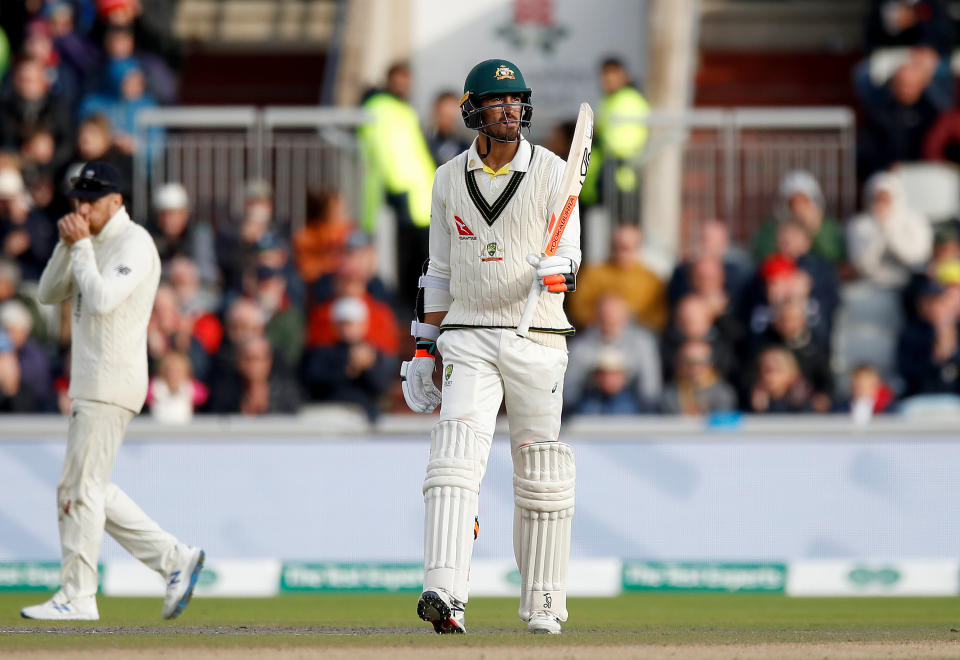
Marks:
<point>88,503</point>
<point>481,369</point>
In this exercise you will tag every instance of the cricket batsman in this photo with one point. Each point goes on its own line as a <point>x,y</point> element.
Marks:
<point>109,268</point>
<point>489,216</point>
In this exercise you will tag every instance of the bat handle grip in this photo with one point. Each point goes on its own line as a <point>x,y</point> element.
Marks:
<point>523,328</point>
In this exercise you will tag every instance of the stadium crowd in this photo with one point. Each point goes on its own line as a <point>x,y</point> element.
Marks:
<point>254,318</point>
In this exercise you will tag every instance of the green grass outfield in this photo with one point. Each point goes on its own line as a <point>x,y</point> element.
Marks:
<point>390,620</point>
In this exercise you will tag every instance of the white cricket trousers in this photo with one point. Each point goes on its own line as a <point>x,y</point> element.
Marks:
<point>481,368</point>
<point>490,365</point>
<point>88,503</point>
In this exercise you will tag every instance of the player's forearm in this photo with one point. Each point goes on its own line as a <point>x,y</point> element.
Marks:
<point>434,318</point>
<point>55,280</point>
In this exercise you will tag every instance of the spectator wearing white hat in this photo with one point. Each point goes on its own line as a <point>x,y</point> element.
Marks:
<point>614,327</point>
<point>351,370</point>
<point>178,235</point>
<point>801,199</point>
<point>610,391</point>
<point>26,234</point>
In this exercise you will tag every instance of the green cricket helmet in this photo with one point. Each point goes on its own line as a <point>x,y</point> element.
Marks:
<point>489,78</point>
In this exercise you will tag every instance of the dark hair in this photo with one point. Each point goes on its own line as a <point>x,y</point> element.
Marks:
<point>30,131</point>
<point>612,61</point>
<point>397,67</point>
<point>98,121</point>
<point>22,60</point>
<point>444,95</point>
<point>318,203</point>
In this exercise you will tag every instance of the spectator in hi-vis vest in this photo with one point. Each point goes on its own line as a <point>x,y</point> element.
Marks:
<point>399,165</point>
<point>620,135</point>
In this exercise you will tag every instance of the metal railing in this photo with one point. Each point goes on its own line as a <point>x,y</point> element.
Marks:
<point>215,151</point>
<point>733,161</point>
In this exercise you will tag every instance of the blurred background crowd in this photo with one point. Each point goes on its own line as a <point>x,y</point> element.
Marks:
<point>259,315</point>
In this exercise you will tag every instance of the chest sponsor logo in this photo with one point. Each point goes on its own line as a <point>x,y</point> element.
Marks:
<point>491,252</point>
<point>463,230</point>
<point>121,269</point>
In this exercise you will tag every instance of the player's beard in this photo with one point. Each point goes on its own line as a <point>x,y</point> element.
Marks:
<point>507,132</point>
<point>503,131</point>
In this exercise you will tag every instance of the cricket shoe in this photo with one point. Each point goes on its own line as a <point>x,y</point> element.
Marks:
<point>181,582</point>
<point>60,608</point>
<point>543,623</point>
<point>443,611</point>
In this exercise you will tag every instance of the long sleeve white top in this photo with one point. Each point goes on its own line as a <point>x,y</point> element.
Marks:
<point>479,239</point>
<point>888,252</point>
<point>111,279</point>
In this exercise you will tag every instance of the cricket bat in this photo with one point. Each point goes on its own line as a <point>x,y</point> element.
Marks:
<point>578,160</point>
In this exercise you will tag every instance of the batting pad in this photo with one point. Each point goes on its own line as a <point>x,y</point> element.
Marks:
<point>450,497</point>
<point>543,489</point>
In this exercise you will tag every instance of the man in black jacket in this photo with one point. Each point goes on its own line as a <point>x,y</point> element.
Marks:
<point>28,105</point>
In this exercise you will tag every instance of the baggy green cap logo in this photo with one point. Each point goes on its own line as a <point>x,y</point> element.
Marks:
<point>504,72</point>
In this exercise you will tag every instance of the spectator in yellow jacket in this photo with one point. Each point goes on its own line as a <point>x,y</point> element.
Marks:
<point>625,275</point>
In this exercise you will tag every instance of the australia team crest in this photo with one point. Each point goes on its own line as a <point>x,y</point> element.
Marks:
<point>491,252</point>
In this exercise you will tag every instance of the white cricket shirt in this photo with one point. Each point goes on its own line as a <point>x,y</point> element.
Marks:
<point>482,226</point>
<point>111,279</point>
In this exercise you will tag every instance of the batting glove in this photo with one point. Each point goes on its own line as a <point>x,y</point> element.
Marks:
<point>416,379</point>
<point>556,274</point>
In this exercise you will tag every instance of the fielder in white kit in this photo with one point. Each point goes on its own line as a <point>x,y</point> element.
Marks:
<point>109,268</point>
<point>487,227</point>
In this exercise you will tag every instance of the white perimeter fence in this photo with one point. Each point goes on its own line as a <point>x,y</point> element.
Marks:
<point>328,488</point>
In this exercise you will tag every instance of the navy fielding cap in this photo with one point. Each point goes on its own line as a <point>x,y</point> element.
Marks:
<point>96,179</point>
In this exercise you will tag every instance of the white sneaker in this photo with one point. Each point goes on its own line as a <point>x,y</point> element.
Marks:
<point>543,623</point>
<point>181,582</point>
<point>59,608</point>
<point>443,611</point>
